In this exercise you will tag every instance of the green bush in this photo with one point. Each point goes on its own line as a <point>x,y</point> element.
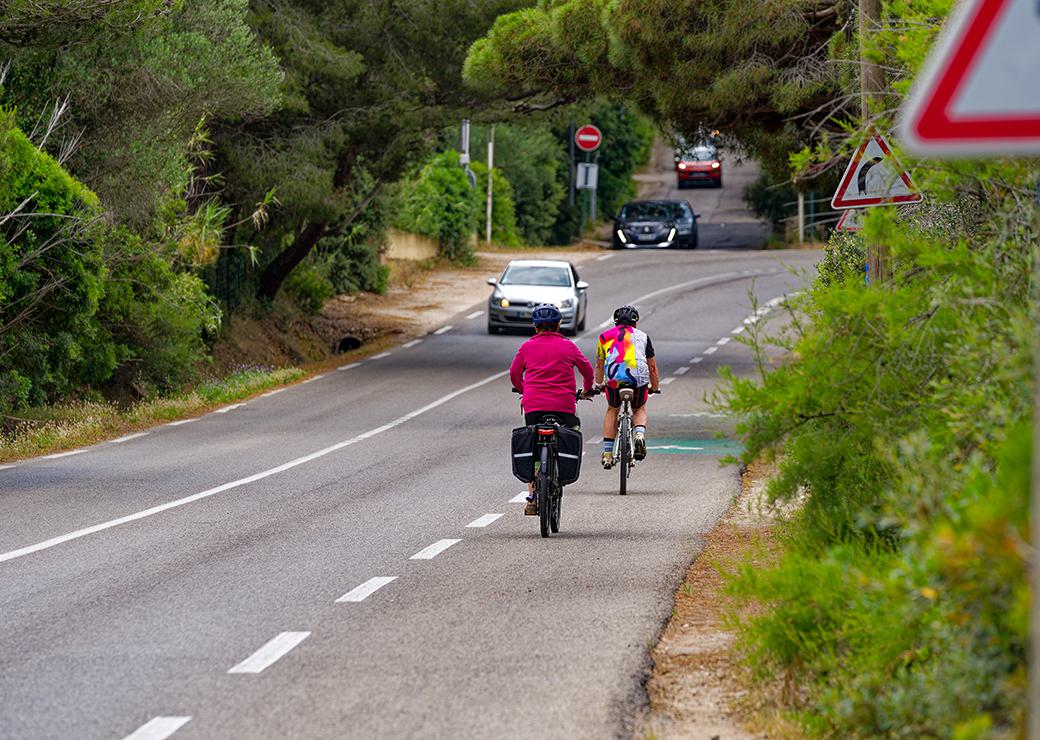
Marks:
<point>503,212</point>
<point>309,287</point>
<point>442,205</point>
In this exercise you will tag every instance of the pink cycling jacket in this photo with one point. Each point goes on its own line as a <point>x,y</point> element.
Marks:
<point>543,371</point>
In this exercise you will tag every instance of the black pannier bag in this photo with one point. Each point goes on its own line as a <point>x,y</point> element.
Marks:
<point>568,453</point>
<point>523,452</point>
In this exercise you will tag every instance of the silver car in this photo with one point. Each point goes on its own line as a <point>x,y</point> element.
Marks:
<point>527,283</point>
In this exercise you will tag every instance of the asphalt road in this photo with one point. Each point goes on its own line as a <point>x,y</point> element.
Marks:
<point>185,582</point>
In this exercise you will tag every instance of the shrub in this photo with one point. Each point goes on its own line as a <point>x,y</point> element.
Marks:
<point>503,212</point>
<point>442,205</point>
<point>309,287</point>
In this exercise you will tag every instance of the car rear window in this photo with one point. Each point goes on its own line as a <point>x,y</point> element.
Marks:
<point>645,212</point>
<point>559,277</point>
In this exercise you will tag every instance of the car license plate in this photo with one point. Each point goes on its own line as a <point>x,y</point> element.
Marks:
<point>646,237</point>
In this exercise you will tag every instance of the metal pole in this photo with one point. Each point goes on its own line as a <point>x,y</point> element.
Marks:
<point>490,180</point>
<point>592,193</point>
<point>872,83</point>
<point>810,218</point>
<point>801,217</point>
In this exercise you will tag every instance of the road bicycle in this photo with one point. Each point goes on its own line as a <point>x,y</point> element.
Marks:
<point>624,444</point>
<point>547,487</point>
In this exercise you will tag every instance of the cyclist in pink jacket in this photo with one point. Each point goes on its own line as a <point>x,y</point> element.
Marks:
<point>543,372</point>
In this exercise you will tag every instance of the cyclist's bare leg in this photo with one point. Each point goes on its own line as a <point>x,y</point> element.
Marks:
<point>639,417</point>
<point>610,423</point>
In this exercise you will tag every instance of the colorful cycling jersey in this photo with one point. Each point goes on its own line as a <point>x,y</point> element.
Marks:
<point>624,352</point>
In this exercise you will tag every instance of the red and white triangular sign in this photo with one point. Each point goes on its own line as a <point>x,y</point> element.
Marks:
<point>851,220</point>
<point>874,178</point>
<point>979,92</point>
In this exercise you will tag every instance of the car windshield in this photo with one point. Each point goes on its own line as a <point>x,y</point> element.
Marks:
<point>646,212</point>
<point>679,209</point>
<point>702,154</point>
<point>559,277</point>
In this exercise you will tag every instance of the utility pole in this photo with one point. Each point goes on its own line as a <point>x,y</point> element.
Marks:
<point>872,83</point>
<point>570,149</point>
<point>801,217</point>
<point>490,181</point>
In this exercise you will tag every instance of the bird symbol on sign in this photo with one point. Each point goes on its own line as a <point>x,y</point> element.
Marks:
<point>861,178</point>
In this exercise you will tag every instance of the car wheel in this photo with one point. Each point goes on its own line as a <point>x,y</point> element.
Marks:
<point>694,240</point>
<point>493,329</point>
<point>718,183</point>
<point>581,324</point>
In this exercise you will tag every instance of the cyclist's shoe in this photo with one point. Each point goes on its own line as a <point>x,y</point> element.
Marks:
<point>608,460</point>
<point>640,451</point>
<point>531,509</point>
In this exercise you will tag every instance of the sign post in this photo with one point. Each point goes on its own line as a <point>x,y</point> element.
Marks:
<point>587,138</point>
<point>979,95</point>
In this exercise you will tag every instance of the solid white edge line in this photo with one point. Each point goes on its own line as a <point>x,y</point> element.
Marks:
<point>520,498</point>
<point>182,421</point>
<point>56,455</point>
<point>695,360</point>
<point>158,728</point>
<point>683,370</point>
<point>666,381</point>
<point>273,650</point>
<point>431,551</point>
<point>380,356</point>
<point>5,467</point>
<point>484,520</point>
<point>127,438</point>
<point>366,589</point>
<point>351,366</point>
<point>475,314</point>
<point>271,393</point>
<point>234,406</point>
<point>408,345</point>
<point>318,377</point>
<point>711,350</point>
<point>77,534</point>
<point>444,329</point>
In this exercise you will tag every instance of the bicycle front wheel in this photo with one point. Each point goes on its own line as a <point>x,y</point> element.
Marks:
<point>623,458</point>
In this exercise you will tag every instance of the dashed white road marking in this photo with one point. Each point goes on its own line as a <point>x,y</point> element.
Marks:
<point>408,345</point>
<point>666,381</point>
<point>604,257</point>
<point>56,455</point>
<point>5,467</point>
<point>79,533</point>
<point>270,653</point>
<point>351,366</point>
<point>672,447</point>
<point>475,314</point>
<point>380,356</point>
<point>127,438</point>
<point>484,520</point>
<point>738,330</point>
<point>158,728</point>
<point>520,498</point>
<point>318,377</point>
<point>593,442</point>
<point>444,329</point>
<point>723,342</point>
<point>707,414</point>
<point>683,370</point>
<point>234,406</point>
<point>695,360</point>
<point>271,393</point>
<point>432,551</point>
<point>711,350</point>
<point>182,421</point>
<point>365,590</point>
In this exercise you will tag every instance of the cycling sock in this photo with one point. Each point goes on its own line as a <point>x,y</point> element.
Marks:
<point>640,430</point>
<point>608,445</point>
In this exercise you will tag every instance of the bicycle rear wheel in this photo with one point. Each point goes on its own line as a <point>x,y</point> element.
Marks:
<point>557,502</point>
<point>544,497</point>
<point>623,458</point>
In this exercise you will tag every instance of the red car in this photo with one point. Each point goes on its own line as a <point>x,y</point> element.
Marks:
<point>699,164</point>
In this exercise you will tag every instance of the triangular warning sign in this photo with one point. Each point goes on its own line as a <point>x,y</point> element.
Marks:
<point>851,220</point>
<point>874,178</point>
<point>978,93</point>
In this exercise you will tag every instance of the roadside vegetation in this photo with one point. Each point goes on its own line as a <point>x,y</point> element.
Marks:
<point>900,421</point>
<point>166,166</point>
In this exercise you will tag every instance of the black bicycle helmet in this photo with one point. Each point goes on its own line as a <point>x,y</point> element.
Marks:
<point>546,313</point>
<point>626,315</point>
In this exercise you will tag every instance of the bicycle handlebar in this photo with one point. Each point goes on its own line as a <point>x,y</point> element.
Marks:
<point>579,396</point>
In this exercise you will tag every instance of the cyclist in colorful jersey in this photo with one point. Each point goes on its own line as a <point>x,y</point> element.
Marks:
<point>543,372</point>
<point>625,357</point>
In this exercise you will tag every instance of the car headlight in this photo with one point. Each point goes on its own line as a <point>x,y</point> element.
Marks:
<point>622,237</point>
<point>499,300</point>
<point>682,165</point>
<point>566,303</point>
<point>671,234</point>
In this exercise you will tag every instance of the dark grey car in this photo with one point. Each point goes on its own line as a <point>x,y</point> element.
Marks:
<point>655,224</point>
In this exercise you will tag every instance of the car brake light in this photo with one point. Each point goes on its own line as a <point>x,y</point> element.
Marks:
<point>716,165</point>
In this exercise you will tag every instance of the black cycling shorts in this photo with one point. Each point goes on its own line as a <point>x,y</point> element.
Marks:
<point>638,400</point>
<point>568,420</point>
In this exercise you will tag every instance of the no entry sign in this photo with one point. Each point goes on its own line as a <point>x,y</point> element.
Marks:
<point>588,138</point>
<point>979,93</point>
